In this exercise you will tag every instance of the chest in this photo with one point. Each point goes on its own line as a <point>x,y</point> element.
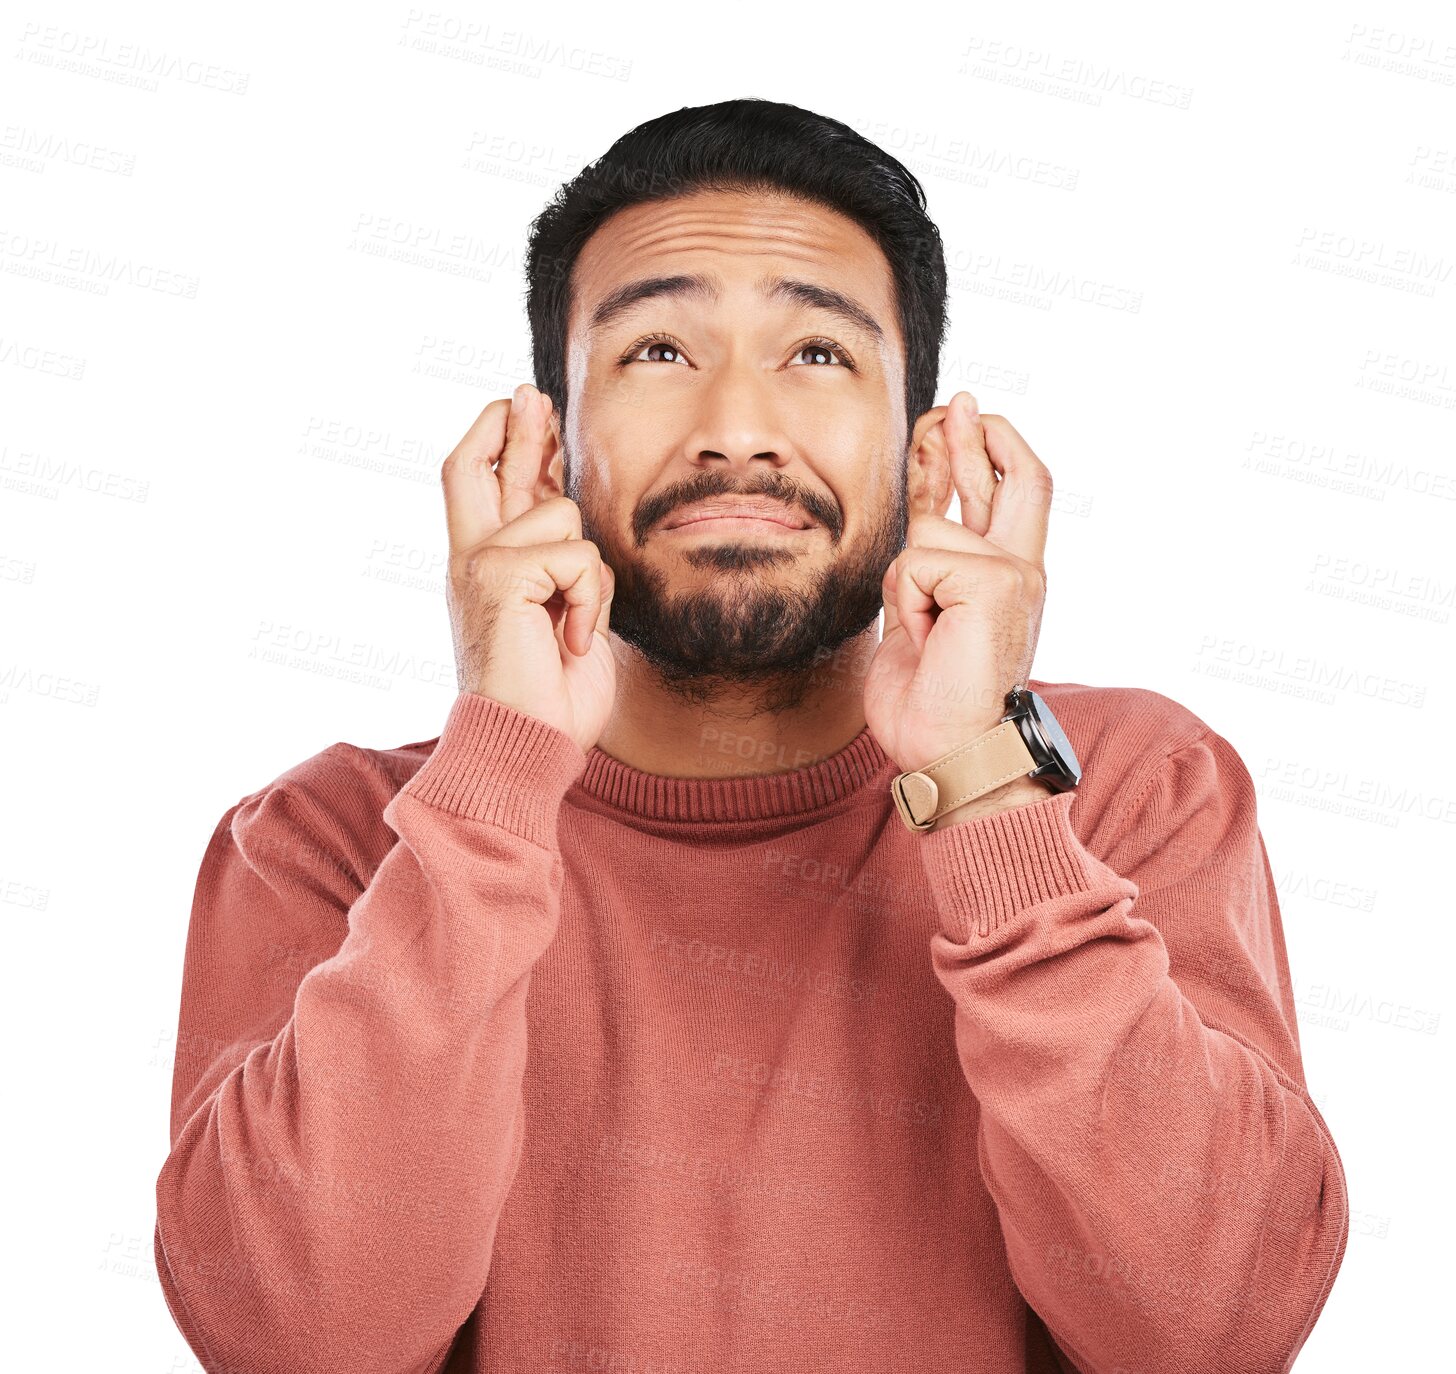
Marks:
<point>745,1114</point>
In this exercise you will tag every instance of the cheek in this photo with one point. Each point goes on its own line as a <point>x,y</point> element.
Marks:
<point>611,462</point>
<point>624,447</point>
<point>852,450</point>
<point>615,410</point>
<point>851,420</point>
<point>627,399</point>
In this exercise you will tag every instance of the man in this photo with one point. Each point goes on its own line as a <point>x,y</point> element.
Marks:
<point>727,987</point>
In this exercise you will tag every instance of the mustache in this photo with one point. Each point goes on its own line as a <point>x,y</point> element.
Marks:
<point>711,482</point>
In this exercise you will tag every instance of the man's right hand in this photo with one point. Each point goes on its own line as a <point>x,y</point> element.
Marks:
<point>529,598</point>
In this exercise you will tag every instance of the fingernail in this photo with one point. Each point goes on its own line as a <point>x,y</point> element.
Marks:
<point>518,399</point>
<point>974,409</point>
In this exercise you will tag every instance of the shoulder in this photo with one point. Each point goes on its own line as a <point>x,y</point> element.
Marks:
<point>350,780</point>
<point>1121,728</point>
<point>325,812</point>
<point>1134,744</point>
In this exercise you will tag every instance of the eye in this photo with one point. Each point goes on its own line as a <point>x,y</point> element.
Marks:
<point>670,351</point>
<point>825,346</point>
<point>659,341</point>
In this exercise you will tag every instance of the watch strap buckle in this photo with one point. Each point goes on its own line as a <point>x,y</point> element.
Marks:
<point>923,795</point>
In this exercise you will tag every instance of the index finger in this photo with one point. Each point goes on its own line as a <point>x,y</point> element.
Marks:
<point>472,492</point>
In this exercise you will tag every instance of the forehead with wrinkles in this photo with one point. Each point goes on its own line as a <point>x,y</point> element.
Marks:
<point>738,237</point>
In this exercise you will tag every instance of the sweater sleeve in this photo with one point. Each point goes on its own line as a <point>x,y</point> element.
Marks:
<point>347,1092</point>
<point>1170,1197</point>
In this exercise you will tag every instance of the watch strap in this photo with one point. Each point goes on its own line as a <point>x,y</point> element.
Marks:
<point>926,794</point>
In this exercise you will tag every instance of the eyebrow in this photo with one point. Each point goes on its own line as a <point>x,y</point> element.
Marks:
<point>703,286</point>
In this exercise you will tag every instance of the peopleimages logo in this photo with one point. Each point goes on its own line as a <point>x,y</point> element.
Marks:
<point>122,63</point>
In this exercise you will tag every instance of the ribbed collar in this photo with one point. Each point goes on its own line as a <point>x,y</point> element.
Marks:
<point>738,798</point>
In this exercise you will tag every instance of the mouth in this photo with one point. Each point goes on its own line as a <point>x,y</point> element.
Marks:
<point>742,516</point>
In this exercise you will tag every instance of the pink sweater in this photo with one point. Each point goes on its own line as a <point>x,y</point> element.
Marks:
<point>498,1055</point>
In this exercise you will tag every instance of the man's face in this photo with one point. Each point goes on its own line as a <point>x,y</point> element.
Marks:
<point>688,397</point>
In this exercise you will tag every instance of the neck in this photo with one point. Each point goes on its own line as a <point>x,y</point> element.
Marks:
<point>730,729</point>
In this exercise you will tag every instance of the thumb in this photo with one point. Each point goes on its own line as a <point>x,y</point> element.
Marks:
<point>887,595</point>
<point>609,587</point>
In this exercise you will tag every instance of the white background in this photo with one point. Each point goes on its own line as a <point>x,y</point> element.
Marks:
<point>251,303</point>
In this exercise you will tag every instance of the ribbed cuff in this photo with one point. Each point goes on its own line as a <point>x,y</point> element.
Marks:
<point>494,763</point>
<point>990,867</point>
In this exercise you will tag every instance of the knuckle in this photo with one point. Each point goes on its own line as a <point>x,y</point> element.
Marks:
<point>468,566</point>
<point>1008,568</point>
<point>961,579</point>
<point>1024,579</point>
<point>1004,573</point>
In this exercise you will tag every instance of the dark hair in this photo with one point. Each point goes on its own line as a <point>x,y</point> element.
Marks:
<point>747,144</point>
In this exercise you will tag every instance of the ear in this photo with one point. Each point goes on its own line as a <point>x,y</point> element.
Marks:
<point>929,484</point>
<point>551,482</point>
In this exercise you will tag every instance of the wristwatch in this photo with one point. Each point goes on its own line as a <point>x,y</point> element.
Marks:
<point>1027,743</point>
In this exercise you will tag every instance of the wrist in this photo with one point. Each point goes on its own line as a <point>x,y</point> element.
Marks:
<point>1018,792</point>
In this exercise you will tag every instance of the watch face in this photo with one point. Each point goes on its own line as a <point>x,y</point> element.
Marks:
<point>1064,757</point>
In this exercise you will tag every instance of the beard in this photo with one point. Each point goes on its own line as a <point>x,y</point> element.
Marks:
<point>761,622</point>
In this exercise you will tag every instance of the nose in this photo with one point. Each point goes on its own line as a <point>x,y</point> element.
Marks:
<point>735,421</point>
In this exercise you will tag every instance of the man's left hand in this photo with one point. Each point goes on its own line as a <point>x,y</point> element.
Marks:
<point>963,601</point>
